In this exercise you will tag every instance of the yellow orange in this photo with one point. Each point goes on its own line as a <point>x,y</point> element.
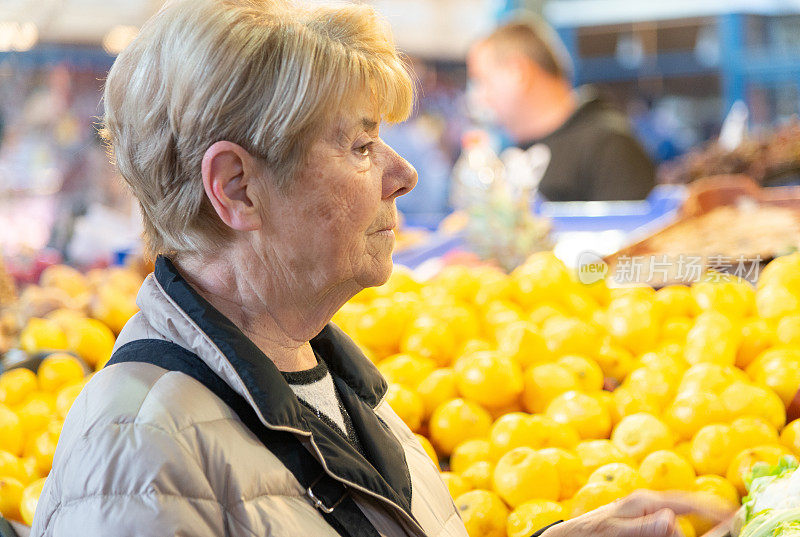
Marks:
<point>544,311</point>
<point>57,370</point>
<point>596,453</point>
<point>571,473</point>
<point>458,281</point>
<point>10,497</point>
<point>455,421</point>
<point>690,412</point>
<point>594,495</point>
<point>741,399</point>
<point>712,449</point>
<point>715,489</point>
<point>544,382</point>
<point>669,360</point>
<point>555,434</point>
<point>513,430</point>
<point>11,432</point>
<point>634,322</point>
<point>658,385</point>
<point>783,271</point>
<point>790,436</point>
<point>684,449</point>
<point>44,448</point>
<point>456,484</point>
<point>676,329</point>
<point>713,338</point>
<point>11,466</point>
<point>568,335</point>
<point>66,396</point>
<point>479,475</point>
<point>778,369</point>
<point>42,334</point>
<point>623,475</point>
<point>586,414</point>
<point>676,301</point>
<point>469,452</point>
<point>748,431</point>
<point>757,336</point>
<point>30,497</point>
<point>532,516</point>
<point>743,462</point>
<point>114,306</point>
<point>586,370</point>
<point>437,388</point>
<point>774,302</point>
<point>523,474</point>
<point>489,378</point>
<point>719,487</point>
<point>685,526</point>
<point>90,339</point>
<point>65,278</point>
<point>666,470</point>
<point>429,337</point>
<point>483,512</point>
<point>542,277</point>
<point>406,369</point>
<point>37,411</point>
<point>16,384</point>
<point>31,470</point>
<point>407,404</point>
<point>788,330</point>
<point>523,342</point>
<point>732,297</point>
<point>628,402</point>
<point>640,434</point>
<point>428,447</point>
<point>615,361</point>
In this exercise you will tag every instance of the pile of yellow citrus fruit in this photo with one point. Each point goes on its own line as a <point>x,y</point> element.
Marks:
<point>541,397</point>
<point>32,411</point>
<point>544,398</point>
<point>33,405</point>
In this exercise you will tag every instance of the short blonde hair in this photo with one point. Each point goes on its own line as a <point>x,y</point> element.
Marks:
<point>264,74</point>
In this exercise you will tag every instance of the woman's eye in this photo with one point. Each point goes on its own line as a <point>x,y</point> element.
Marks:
<point>364,150</point>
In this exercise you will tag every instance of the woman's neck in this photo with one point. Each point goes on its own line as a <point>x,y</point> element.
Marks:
<point>279,318</point>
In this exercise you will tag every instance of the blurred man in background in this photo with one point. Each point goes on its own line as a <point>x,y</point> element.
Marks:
<point>522,75</point>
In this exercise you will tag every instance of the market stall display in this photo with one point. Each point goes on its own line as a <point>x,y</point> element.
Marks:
<point>503,373</point>
<point>538,396</point>
<point>728,223</point>
<point>772,157</point>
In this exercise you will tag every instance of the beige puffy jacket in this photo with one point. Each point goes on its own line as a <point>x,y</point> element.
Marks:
<point>150,452</point>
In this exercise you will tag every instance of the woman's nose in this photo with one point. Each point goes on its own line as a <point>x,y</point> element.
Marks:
<point>399,177</point>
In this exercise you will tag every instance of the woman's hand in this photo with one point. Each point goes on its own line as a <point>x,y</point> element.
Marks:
<point>642,514</point>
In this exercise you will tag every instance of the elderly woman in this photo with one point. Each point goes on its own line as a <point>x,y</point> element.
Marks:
<point>248,131</point>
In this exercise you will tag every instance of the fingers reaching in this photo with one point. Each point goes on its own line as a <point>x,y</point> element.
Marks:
<point>644,502</point>
<point>662,523</point>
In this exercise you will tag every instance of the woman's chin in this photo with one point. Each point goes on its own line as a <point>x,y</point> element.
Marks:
<point>378,273</point>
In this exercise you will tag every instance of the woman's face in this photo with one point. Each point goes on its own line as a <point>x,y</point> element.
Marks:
<point>335,223</point>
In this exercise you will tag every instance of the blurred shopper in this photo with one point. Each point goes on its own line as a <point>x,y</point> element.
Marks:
<point>522,75</point>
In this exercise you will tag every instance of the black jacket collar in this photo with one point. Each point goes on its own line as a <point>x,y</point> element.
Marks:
<point>360,384</point>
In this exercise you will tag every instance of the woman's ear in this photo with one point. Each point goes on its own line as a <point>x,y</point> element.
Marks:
<point>229,175</point>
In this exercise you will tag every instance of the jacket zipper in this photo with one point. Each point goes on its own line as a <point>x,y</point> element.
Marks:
<point>356,486</point>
